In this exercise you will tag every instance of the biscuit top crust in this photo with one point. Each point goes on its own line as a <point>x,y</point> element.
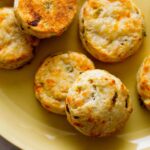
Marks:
<point>98,103</point>
<point>56,75</point>
<point>98,89</point>
<point>143,82</point>
<point>115,27</point>
<point>47,15</point>
<point>15,46</point>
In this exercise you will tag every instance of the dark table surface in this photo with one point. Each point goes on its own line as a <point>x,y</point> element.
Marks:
<point>5,145</point>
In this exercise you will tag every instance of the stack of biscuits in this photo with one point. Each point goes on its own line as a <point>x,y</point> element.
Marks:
<point>95,102</point>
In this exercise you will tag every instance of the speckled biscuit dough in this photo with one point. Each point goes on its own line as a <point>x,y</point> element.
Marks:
<point>55,76</point>
<point>45,18</point>
<point>111,30</point>
<point>16,47</point>
<point>98,104</point>
<point>143,82</point>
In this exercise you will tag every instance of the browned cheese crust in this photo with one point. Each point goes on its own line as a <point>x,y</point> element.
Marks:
<point>45,18</point>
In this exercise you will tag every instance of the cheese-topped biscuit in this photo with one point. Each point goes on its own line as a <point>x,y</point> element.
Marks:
<point>143,82</point>
<point>16,47</point>
<point>56,75</point>
<point>45,18</point>
<point>98,103</point>
<point>111,30</point>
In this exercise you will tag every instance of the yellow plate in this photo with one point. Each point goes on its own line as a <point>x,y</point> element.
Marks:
<point>25,123</point>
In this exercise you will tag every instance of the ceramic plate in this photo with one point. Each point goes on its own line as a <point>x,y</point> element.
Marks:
<point>26,124</point>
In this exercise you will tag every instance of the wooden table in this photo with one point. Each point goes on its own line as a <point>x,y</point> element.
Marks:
<point>5,145</point>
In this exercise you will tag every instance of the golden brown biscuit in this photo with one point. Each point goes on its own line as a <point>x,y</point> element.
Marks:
<point>16,47</point>
<point>143,82</point>
<point>55,76</point>
<point>111,30</point>
<point>45,18</point>
<point>98,104</point>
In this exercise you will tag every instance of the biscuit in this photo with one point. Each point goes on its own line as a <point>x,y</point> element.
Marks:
<point>143,82</point>
<point>45,18</point>
<point>55,76</point>
<point>111,30</point>
<point>16,47</point>
<point>98,104</point>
